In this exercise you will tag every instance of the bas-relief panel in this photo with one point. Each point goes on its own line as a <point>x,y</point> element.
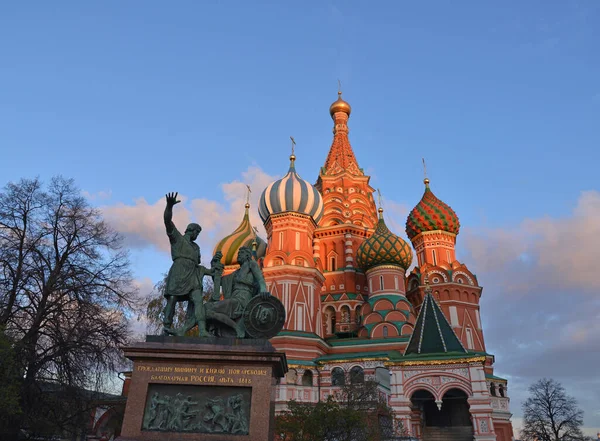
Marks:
<point>197,409</point>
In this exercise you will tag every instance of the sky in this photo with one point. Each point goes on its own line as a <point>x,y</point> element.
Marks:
<point>136,99</point>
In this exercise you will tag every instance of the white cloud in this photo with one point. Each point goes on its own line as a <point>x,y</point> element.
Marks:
<point>100,195</point>
<point>138,325</point>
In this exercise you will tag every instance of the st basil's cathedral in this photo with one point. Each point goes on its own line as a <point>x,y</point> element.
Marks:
<point>352,311</point>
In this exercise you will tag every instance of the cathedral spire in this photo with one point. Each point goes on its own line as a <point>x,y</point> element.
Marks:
<point>341,157</point>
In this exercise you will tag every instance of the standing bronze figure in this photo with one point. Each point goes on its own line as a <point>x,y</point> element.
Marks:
<point>184,281</point>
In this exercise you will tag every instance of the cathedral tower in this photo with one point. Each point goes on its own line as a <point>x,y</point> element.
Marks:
<point>432,227</point>
<point>349,217</point>
<point>385,258</point>
<point>290,209</point>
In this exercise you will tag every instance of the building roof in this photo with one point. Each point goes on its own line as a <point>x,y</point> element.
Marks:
<point>383,248</point>
<point>291,194</point>
<point>340,157</point>
<point>244,235</point>
<point>433,334</point>
<point>431,214</point>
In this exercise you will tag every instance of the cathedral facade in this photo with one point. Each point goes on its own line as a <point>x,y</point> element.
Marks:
<point>353,312</point>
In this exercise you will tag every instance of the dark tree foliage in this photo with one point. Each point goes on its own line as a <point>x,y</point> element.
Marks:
<point>66,294</point>
<point>356,413</point>
<point>549,414</point>
<point>10,407</point>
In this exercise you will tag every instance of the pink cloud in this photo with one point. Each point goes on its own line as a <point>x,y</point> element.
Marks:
<point>557,252</point>
<point>141,223</point>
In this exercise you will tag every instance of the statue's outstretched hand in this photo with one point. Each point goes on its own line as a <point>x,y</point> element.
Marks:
<point>172,199</point>
<point>265,295</point>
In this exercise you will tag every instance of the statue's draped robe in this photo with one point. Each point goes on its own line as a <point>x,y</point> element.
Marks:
<point>238,289</point>
<point>185,274</point>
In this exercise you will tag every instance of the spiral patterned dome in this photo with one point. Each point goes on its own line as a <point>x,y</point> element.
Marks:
<point>383,248</point>
<point>431,214</point>
<point>244,235</point>
<point>291,193</point>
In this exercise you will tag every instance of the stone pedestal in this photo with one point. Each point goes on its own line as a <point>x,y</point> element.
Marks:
<point>217,389</point>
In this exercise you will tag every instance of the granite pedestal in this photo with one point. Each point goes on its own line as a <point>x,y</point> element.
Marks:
<point>216,389</point>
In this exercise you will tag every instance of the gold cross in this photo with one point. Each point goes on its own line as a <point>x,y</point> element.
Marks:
<point>379,198</point>
<point>424,168</point>
<point>248,194</point>
<point>293,144</point>
<point>339,87</point>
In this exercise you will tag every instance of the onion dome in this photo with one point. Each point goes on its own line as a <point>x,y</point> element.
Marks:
<point>340,105</point>
<point>431,214</point>
<point>291,193</point>
<point>383,248</point>
<point>244,235</point>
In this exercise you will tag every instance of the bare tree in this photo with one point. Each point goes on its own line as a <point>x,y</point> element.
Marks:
<point>66,292</point>
<point>550,414</point>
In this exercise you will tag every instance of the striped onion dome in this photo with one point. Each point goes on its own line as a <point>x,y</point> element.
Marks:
<point>383,248</point>
<point>291,193</point>
<point>431,214</point>
<point>244,235</point>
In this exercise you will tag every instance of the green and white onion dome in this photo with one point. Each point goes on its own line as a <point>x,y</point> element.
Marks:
<point>291,194</point>
<point>383,248</point>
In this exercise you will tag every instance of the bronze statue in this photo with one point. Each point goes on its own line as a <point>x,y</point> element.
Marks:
<point>184,281</point>
<point>238,289</point>
<point>247,307</point>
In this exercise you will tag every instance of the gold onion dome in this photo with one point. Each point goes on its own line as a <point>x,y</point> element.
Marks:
<point>340,106</point>
<point>244,235</point>
<point>431,214</point>
<point>383,248</point>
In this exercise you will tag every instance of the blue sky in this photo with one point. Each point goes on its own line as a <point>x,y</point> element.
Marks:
<point>134,99</point>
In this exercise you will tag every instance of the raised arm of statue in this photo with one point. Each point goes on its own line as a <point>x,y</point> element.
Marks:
<point>168,216</point>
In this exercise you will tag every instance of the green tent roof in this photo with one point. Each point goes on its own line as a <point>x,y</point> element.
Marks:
<point>433,334</point>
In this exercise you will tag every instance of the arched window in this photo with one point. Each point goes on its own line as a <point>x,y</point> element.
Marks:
<point>337,377</point>
<point>345,314</point>
<point>501,389</point>
<point>469,334</point>
<point>307,378</point>
<point>330,319</point>
<point>332,263</point>
<point>291,376</point>
<point>357,314</point>
<point>385,331</point>
<point>434,258</point>
<point>492,389</point>
<point>381,282</point>
<point>357,375</point>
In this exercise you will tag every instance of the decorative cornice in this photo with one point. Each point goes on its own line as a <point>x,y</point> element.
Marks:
<point>332,230</point>
<point>479,359</point>
<point>287,270</point>
<point>385,267</point>
<point>350,360</point>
